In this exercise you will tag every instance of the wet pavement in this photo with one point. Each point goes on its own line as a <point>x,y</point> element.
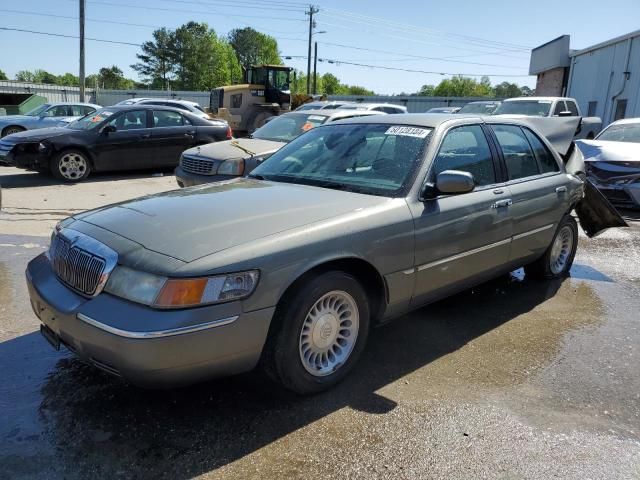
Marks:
<point>513,379</point>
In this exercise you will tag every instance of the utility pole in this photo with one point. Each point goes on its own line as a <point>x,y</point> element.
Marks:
<point>311,12</point>
<point>315,65</point>
<point>82,3</point>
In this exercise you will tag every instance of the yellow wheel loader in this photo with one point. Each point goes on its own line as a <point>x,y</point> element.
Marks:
<point>265,93</point>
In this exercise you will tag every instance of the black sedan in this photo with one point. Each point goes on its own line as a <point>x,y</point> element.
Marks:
<point>113,138</point>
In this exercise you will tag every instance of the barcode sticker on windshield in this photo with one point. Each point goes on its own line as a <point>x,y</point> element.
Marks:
<point>408,131</point>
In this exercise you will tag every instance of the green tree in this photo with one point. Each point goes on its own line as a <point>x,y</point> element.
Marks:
<point>331,85</point>
<point>111,78</point>
<point>427,90</point>
<point>24,76</point>
<point>156,60</point>
<point>254,48</point>
<point>357,90</point>
<point>3,76</point>
<point>507,90</point>
<point>68,79</point>
<point>526,91</point>
<point>459,86</point>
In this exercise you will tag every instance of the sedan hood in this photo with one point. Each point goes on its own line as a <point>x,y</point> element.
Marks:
<point>194,222</point>
<point>598,150</point>
<point>36,135</point>
<point>228,150</point>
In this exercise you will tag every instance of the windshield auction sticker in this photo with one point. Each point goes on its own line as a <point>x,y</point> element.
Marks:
<point>408,131</point>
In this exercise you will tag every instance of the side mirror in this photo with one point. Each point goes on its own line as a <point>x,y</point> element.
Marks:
<point>107,129</point>
<point>565,113</point>
<point>455,181</point>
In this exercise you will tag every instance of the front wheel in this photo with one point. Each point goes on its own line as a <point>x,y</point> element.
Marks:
<point>558,258</point>
<point>11,130</point>
<point>321,332</point>
<point>70,166</point>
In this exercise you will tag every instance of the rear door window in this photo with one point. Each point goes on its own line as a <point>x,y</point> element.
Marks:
<point>517,153</point>
<point>572,107</point>
<point>560,107</point>
<point>466,149</point>
<point>546,160</point>
<point>167,118</point>
<point>133,120</point>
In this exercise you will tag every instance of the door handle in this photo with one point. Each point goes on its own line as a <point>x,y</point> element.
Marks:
<point>498,191</point>
<point>145,136</point>
<point>502,203</point>
<point>561,190</point>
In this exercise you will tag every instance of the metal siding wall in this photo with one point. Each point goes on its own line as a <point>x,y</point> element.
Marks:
<point>53,93</point>
<point>598,76</point>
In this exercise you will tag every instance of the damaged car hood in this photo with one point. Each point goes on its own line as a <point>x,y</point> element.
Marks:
<point>235,149</point>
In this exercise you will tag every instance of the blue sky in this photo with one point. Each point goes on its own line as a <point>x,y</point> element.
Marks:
<point>464,36</point>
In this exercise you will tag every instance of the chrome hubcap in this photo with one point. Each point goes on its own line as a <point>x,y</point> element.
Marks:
<point>72,166</point>
<point>11,131</point>
<point>562,246</point>
<point>329,333</point>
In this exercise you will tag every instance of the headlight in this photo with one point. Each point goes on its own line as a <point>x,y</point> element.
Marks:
<point>231,167</point>
<point>162,292</point>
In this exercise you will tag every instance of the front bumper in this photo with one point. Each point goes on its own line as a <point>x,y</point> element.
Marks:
<point>147,347</point>
<point>186,179</point>
<point>623,195</point>
<point>24,156</point>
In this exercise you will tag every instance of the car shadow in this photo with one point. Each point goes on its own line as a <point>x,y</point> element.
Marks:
<point>34,179</point>
<point>629,214</point>
<point>97,423</point>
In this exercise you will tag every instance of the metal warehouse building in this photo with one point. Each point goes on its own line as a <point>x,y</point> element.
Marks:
<point>604,78</point>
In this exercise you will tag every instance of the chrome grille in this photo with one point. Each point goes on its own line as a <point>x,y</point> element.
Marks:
<point>199,166</point>
<point>75,263</point>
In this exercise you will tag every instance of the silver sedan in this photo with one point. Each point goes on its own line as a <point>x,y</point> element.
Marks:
<point>46,115</point>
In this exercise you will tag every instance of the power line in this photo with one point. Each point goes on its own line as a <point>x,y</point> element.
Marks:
<point>76,18</point>
<point>68,36</point>
<point>416,40</point>
<point>339,62</point>
<point>383,22</point>
<point>209,13</point>
<point>444,59</point>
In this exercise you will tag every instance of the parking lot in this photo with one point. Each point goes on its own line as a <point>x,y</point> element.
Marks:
<point>513,379</point>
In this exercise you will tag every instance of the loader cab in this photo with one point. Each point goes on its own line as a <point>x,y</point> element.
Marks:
<point>276,80</point>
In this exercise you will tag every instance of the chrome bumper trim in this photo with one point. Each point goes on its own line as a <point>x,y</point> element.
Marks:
<point>157,333</point>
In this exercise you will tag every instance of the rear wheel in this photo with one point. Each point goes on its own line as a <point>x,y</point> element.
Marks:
<point>558,258</point>
<point>11,130</point>
<point>70,166</point>
<point>321,332</point>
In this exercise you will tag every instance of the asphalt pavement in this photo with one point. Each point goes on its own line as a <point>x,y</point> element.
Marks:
<point>513,379</point>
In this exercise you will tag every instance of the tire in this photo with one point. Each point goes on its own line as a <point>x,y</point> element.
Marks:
<point>259,120</point>
<point>70,165</point>
<point>306,340</point>
<point>10,130</point>
<point>558,258</point>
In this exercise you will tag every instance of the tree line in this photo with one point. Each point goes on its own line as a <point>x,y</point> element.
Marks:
<point>461,86</point>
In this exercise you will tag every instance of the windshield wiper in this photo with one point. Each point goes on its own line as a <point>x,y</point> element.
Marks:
<point>245,150</point>
<point>255,177</point>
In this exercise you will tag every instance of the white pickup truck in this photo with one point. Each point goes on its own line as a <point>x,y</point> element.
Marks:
<point>588,127</point>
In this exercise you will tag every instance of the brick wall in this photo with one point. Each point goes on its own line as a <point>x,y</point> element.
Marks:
<point>551,83</point>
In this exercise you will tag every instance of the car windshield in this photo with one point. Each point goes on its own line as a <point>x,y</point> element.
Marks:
<point>531,108</point>
<point>625,132</point>
<point>287,127</point>
<point>309,106</point>
<point>480,108</point>
<point>38,110</point>
<point>91,121</point>
<point>374,159</point>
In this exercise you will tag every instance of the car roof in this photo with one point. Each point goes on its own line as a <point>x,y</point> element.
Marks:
<point>138,106</point>
<point>536,99</point>
<point>337,113</point>
<point>174,100</point>
<point>484,102</point>
<point>427,120</point>
<point>625,120</point>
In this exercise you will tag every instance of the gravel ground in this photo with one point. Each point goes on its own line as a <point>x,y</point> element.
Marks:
<point>513,379</point>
